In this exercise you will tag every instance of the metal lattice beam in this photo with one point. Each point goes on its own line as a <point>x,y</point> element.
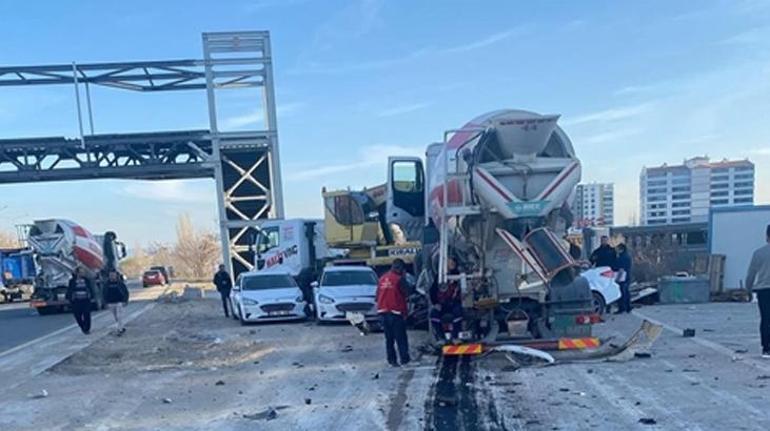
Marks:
<point>146,156</point>
<point>136,76</point>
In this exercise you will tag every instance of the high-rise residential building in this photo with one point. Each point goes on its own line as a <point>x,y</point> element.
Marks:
<point>594,205</point>
<point>685,193</point>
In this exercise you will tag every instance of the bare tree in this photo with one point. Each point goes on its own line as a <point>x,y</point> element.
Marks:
<point>136,263</point>
<point>8,240</point>
<point>197,250</point>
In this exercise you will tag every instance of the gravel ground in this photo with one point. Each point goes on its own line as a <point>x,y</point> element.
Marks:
<point>183,366</point>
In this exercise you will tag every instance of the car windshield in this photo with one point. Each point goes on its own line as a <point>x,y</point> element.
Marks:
<point>266,282</point>
<point>347,278</point>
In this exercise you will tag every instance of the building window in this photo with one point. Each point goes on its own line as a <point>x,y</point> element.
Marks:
<point>680,181</point>
<point>656,221</point>
<point>744,184</point>
<point>656,183</point>
<point>719,194</point>
<point>680,197</point>
<point>680,212</point>
<point>656,198</point>
<point>680,204</point>
<point>719,201</point>
<point>720,178</point>
<point>743,192</point>
<point>681,220</point>
<point>656,191</point>
<point>720,186</point>
<point>720,170</point>
<point>748,200</point>
<point>744,168</point>
<point>749,176</point>
<point>681,189</point>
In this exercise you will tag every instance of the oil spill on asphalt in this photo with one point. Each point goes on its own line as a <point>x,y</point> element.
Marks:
<point>454,399</point>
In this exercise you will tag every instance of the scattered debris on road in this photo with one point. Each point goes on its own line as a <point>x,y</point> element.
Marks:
<point>42,394</point>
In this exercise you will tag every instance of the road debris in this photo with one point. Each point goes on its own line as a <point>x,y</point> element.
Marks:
<point>42,394</point>
<point>167,401</point>
<point>688,332</point>
<point>308,401</point>
<point>266,415</point>
<point>648,421</point>
<point>219,383</point>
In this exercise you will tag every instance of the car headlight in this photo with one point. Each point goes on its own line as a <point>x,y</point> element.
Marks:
<point>247,301</point>
<point>299,299</point>
<point>325,299</point>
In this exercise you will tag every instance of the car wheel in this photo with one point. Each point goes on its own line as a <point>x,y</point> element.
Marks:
<point>598,304</point>
<point>240,319</point>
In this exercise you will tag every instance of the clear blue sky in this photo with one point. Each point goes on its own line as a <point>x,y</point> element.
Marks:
<point>637,83</point>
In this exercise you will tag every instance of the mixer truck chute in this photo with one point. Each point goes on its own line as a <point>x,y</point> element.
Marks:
<point>497,200</point>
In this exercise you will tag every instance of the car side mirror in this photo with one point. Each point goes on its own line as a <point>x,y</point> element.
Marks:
<point>314,285</point>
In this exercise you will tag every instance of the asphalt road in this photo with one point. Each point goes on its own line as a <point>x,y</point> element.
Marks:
<point>20,324</point>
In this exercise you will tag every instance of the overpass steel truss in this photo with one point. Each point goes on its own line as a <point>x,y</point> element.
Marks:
<point>244,164</point>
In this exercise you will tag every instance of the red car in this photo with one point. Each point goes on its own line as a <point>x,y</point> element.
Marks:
<point>153,278</point>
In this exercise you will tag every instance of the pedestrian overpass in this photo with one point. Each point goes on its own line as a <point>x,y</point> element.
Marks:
<point>244,164</point>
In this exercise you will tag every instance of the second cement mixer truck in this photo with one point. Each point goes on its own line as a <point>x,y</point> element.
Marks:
<point>60,247</point>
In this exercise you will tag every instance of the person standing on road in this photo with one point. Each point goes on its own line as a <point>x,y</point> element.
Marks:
<point>758,280</point>
<point>392,291</point>
<point>624,263</point>
<point>224,285</point>
<point>80,293</point>
<point>116,297</point>
<point>574,250</point>
<point>604,255</point>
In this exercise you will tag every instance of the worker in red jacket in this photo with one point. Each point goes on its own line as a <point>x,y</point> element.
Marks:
<point>392,291</point>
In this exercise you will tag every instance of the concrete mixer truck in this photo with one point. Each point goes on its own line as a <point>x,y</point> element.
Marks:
<point>494,197</point>
<point>60,247</point>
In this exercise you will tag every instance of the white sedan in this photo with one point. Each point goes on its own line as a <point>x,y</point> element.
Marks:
<point>266,297</point>
<point>345,289</point>
<point>604,289</point>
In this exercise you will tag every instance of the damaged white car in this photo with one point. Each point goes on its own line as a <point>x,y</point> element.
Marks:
<point>604,290</point>
<point>345,289</point>
<point>266,297</point>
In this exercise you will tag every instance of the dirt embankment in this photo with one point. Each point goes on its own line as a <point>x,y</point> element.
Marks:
<point>183,334</point>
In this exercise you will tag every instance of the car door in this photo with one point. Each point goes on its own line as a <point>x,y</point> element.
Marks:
<point>405,204</point>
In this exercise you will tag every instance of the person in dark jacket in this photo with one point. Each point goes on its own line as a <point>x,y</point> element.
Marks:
<point>80,292</point>
<point>445,302</point>
<point>116,297</point>
<point>623,277</point>
<point>574,250</point>
<point>392,291</point>
<point>604,255</point>
<point>224,285</point>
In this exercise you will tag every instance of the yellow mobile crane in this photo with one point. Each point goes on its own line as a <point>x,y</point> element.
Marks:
<point>355,221</point>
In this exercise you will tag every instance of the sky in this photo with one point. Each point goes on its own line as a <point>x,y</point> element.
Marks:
<point>637,84</point>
